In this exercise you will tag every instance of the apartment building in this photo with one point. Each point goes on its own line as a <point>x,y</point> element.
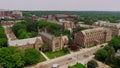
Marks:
<point>93,36</point>
<point>115,27</point>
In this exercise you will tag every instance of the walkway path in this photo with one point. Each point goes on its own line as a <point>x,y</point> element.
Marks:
<point>44,55</point>
<point>64,61</point>
<point>9,33</point>
<point>101,65</point>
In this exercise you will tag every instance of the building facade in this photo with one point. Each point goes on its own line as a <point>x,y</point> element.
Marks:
<point>54,43</point>
<point>115,27</point>
<point>10,14</point>
<point>59,17</point>
<point>92,36</point>
<point>23,44</point>
<point>67,25</point>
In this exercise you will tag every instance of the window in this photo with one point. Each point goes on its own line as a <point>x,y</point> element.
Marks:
<point>57,44</point>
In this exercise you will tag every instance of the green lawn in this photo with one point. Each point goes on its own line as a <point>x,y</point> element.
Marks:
<point>77,65</point>
<point>42,58</point>
<point>55,54</point>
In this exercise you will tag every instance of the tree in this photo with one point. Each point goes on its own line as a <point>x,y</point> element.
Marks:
<point>101,54</point>
<point>65,50</point>
<point>33,34</point>
<point>92,64</point>
<point>17,27</point>
<point>74,47</point>
<point>111,54</point>
<point>11,57</point>
<point>32,56</point>
<point>77,29</point>
<point>3,42</point>
<point>23,34</point>
<point>115,42</point>
<point>3,38</point>
<point>116,63</point>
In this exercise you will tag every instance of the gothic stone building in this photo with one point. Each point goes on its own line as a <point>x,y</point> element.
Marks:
<point>115,27</point>
<point>54,43</point>
<point>68,25</point>
<point>92,36</point>
<point>23,44</point>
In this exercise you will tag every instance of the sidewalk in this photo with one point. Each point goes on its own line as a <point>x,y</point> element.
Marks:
<point>44,55</point>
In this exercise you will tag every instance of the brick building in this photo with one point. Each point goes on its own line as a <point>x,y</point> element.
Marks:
<point>92,36</point>
<point>58,17</point>
<point>10,14</point>
<point>5,14</point>
<point>115,27</point>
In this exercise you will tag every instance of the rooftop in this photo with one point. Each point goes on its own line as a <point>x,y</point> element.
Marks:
<point>91,30</point>
<point>47,35</point>
<point>23,41</point>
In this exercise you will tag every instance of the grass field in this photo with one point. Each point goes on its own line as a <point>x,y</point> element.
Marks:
<point>55,54</point>
<point>77,65</point>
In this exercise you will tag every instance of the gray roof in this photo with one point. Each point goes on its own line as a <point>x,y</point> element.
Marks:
<point>47,35</point>
<point>91,30</point>
<point>23,41</point>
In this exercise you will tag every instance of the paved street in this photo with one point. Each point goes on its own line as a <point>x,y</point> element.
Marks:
<point>82,56</point>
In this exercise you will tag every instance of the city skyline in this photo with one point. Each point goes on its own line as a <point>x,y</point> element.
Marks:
<point>67,5</point>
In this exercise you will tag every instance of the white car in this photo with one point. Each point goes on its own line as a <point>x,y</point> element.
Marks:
<point>55,65</point>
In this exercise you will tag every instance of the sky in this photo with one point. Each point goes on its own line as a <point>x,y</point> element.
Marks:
<point>69,5</point>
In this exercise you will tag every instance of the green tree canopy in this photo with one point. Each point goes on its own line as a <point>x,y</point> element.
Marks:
<point>101,54</point>
<point>3,38</point>
<point>92,64</point>
<point>11,57</point>
<point>116,63</point>
<point>115,42</point>
<point>23,34</point>
<point>3,42</point>
<point>17,27</point>
<point>32,56</point>
<point>111,54</point>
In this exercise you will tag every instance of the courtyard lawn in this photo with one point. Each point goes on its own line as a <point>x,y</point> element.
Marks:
<point>55,54</point>
<point>42,58</point>
<point>77,65</point>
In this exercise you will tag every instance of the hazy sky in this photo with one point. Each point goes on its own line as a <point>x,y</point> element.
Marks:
<point>98,5</point>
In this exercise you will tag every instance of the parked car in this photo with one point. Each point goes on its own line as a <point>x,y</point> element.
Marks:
<point>86,56</point>
<point>102,46</point>
<point>55,65</point>
<point>70,58</point>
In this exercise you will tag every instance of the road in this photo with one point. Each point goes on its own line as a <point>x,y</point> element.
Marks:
<point>82,56</point>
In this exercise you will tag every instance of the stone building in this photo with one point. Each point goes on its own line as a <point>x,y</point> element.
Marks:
<point>115,27</point>
<point>54,43</point>
<point>68,25</point>
<point>23,44</point>
<point>92,36</point>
